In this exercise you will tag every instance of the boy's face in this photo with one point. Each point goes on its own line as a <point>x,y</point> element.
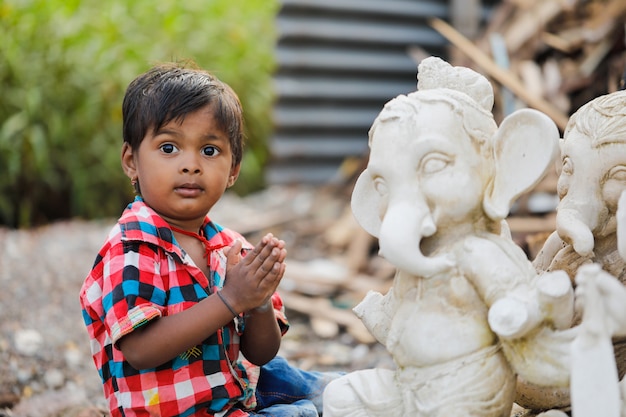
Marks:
<point>183,169</point>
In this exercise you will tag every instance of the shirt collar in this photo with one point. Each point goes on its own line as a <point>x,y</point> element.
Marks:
<point>139,222</point>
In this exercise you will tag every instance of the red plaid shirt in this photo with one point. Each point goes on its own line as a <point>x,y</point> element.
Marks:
<point>139,275</point>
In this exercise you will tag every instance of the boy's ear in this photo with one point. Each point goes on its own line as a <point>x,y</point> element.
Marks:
<point>234,174</point>
<point>128,161</point>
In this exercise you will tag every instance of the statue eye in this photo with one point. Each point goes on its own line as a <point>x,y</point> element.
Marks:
<point>433,163</point>
<point>618,173</point>
<point>568,166</point>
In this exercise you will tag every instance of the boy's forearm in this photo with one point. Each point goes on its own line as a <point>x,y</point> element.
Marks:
<point>169,336</point>
<point>261,338</point>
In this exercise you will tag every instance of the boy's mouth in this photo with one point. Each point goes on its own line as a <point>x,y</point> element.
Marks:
<point>188,190</point>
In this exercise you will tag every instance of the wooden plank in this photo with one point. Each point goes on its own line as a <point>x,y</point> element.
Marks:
<point>501,75</point>
<point>595,56</point>
<point>465,16</point>
<point>530,23</point>
<point>607,19</point>
<point>531,224</point>
<point>323,309</point>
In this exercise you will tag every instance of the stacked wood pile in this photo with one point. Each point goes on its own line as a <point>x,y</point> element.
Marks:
<point>552,55</point>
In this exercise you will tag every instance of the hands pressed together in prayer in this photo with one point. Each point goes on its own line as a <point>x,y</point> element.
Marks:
<point>252,279</point>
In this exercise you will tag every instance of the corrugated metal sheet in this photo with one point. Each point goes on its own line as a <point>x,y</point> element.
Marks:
<point>339,61</point>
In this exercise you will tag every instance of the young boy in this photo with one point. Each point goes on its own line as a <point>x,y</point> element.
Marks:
<point>173,298</point>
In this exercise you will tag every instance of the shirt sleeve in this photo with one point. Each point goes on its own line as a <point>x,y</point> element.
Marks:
<point>279,312</point>
<point>133,292</point>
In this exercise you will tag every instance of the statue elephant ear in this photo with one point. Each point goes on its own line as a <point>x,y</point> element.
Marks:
<point>366,203</point>
<point>524,147</point>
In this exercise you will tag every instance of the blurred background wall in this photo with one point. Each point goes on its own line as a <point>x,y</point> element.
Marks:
<point>338,62</point>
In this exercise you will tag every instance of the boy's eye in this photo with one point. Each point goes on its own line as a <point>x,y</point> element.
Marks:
<point>210,151</point>
<point>168,148</point>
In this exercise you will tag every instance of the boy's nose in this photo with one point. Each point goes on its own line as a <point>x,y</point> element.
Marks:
<point>190,165</point>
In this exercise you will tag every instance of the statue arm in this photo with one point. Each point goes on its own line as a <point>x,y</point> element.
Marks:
<point>518,300</point>
<point>376,311</point>
<point>550,248</point>
<point>603,301</point>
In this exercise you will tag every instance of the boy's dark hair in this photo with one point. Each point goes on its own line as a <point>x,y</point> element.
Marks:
<point>169,92</point>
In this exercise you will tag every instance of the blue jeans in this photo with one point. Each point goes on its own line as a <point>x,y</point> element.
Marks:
<point>286,391</point>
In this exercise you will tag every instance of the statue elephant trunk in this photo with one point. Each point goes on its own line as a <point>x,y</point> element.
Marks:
<point>574,229</point>
<point>401,232</point>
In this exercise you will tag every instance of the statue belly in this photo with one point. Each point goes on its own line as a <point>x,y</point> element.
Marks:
<point>427,333</point>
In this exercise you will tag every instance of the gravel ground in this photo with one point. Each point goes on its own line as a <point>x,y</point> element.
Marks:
<point>45,364</point>
<point>44,352</point>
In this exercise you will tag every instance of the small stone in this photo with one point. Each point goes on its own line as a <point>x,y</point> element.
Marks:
<point>4,345</point>
<point>24,375</point>
<point>28,341</point>
<point>54,378</point>
<point>325,329</point>
<point>360,352</point>
<point>73,356</point>
<point>335,354</point>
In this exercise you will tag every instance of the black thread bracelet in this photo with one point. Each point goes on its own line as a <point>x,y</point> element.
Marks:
<point>219,294</point>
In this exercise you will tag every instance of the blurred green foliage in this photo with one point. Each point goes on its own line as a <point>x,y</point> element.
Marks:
<point>64,66</point>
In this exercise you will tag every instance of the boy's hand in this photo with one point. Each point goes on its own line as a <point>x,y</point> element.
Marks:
<point>251,281</point>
